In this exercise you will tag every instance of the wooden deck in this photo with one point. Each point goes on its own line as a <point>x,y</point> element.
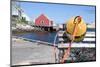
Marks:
<point>88,41</point>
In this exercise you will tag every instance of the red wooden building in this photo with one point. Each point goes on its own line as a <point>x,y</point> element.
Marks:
<point>42,20</point>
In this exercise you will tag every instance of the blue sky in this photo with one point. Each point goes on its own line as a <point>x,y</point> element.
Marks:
<point>59,13</point>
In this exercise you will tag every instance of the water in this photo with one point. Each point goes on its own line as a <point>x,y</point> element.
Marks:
<point>43,36</point>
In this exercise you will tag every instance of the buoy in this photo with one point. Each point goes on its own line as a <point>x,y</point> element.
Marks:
<point>81,28</point>
<point>77,29</point>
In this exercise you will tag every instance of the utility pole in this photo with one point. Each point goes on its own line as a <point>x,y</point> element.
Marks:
<point>19,12</point>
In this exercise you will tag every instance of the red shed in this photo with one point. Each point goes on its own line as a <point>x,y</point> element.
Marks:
<point>42,20</point>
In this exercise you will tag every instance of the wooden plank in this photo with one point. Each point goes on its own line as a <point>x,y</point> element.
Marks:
<point>88,34</point>
<point>85,39</point>
<point>76,45</point>
<point>89,39</point>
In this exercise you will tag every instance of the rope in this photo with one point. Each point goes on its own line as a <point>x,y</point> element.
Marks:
<point>54,49</point>
<point>67,52</point>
